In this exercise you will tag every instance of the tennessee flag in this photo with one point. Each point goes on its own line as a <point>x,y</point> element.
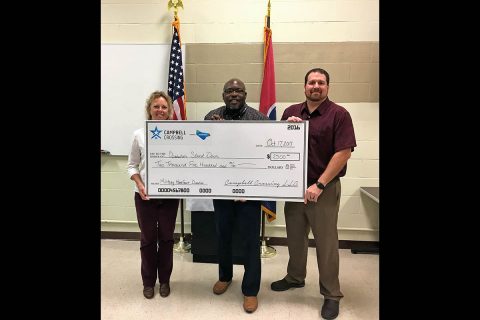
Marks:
<point>175,75</point>
<point>267,103</point>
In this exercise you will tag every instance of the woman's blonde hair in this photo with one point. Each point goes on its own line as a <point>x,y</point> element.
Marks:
<point>156,95</point>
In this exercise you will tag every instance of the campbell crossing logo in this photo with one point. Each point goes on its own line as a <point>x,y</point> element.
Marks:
<point>156,133</point>
<point>168,134</point>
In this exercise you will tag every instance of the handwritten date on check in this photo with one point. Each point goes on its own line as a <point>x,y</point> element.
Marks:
<point>253,160</point>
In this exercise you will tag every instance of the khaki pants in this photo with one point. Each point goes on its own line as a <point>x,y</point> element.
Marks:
<point>321,217</point>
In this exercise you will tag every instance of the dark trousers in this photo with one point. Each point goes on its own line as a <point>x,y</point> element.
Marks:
<point>247,216</point>
<point>156,219</point>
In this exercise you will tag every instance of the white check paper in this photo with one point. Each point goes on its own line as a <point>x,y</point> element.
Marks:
<point>253,160</point>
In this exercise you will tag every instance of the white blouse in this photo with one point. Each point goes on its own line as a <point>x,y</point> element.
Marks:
<point>136,158</point>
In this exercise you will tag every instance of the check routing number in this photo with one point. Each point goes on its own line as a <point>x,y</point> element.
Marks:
<point>254,160</point>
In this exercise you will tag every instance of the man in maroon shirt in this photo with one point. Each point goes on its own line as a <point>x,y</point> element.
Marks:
<point>331,140</point>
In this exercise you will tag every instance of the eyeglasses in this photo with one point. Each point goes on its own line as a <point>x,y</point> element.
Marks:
<point>232,90</point>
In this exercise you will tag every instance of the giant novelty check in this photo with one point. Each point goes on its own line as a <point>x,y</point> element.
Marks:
<point>255,160</point>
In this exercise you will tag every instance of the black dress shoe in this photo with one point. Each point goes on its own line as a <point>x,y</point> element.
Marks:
<point>148,292</point>
<point>330,309</point>
<point>164,289</point>
<point>282,285</point>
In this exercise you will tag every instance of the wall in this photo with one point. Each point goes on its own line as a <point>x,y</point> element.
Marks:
<point>340,36</point>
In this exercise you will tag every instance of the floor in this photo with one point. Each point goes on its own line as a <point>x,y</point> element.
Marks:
<point>192,297</point>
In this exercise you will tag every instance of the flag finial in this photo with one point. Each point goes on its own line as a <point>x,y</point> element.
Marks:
<point>268,11</point>
<point>175,4</point>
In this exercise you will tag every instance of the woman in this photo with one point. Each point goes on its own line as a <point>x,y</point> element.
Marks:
<point>153,211</point>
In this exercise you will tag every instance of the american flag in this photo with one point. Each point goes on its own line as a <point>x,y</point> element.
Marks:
<point>175,75</point>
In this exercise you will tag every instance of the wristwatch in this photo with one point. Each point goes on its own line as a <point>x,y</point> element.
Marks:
<point>320,185</point>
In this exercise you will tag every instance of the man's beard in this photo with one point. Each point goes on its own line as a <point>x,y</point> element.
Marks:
<point>309,97</point>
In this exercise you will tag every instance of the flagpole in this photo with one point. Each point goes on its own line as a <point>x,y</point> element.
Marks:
<point>266,251</point>
<point>181,246</point>
<point>268,15</point>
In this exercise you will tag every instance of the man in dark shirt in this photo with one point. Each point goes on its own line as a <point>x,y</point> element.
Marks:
<point>331,140</point>
<point>244,213</point>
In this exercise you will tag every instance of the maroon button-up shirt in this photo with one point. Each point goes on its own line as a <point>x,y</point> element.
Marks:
<point>330,130</point>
